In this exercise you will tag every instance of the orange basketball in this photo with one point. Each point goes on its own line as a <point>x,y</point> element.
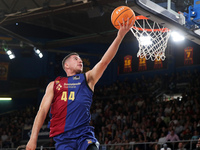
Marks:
<point>122,12</point>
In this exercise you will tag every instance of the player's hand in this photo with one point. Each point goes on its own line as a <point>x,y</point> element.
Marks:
<point>31,145</point>
<point>125,27</point>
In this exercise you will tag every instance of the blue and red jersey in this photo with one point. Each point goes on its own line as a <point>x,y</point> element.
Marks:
<point>70,108</point>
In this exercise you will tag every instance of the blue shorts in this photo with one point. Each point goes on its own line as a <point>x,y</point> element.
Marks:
<point>78,139</point>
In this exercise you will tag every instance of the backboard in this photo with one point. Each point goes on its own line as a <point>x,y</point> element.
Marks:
<point>182,16</point>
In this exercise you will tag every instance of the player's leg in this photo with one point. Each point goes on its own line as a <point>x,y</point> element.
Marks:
<point>92,147</point>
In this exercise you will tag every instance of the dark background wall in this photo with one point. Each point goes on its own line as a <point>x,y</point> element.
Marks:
<point>28,75</point>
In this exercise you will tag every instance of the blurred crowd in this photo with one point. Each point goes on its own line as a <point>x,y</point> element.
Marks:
<point>12,125</point>
<point>131,111</point>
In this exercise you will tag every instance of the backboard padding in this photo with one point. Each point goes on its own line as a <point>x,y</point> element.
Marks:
<point>162,16</point>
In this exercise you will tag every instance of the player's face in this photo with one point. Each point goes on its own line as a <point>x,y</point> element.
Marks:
<point>75,64</point>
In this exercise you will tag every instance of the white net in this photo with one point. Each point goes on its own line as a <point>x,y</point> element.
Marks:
<point>152,38</point>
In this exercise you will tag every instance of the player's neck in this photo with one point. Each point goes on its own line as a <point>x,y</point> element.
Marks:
<point>71,73</point>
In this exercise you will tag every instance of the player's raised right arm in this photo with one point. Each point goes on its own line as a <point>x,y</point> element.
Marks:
<point>96,72</point>
<point>40,117</point>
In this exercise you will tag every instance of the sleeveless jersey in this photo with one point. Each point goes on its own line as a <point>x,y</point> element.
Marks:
<point>70,108</point>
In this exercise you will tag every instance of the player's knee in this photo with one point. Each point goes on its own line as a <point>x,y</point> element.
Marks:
<point>92,147</point>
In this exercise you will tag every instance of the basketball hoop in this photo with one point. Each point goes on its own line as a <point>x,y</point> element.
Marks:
<point>152,38</point>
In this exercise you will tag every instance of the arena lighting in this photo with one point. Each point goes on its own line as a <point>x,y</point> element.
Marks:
<point>38,52</point>
<point>177,37</point>
<point>5,98</point>
<point>145,40</point>
<point>10,53</point>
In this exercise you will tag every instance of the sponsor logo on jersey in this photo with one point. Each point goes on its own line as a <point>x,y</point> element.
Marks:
<point>89,141</point>
<point>58,86</point>
<point>71,85</point>
<point>76,77</point>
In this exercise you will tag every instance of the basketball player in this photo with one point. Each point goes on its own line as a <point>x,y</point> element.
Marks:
<point>70,99</point>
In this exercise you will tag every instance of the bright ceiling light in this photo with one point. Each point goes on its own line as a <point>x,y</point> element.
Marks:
<point>177,37</point>
<point>9,52</point>
<point>38,52</point>
<point>5,98</point>
<point>11,56</point>
<point>40,55</point>
<point>145,40</point>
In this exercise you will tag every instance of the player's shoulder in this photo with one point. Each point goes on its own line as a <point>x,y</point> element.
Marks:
<point>50,84</point>
<point>58,78</point>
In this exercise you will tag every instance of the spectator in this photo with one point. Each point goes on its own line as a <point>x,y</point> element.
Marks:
<point>165,147</point>
<point>198,145</point>
<point>174,120</point>
<point>172,136</point>
<point>186,134</point>
<point>4,138</point>
<point>166,118</point>
<point>195,135</point>
<point>94,115</point>
<point>178,128</point>
<point>160,123</point>
<point>164,130</point>
<point>168,109</point>
<point>181,118</point>
<point>107,141</point>
<point>162,140</point>
<point>148,132</point>
<point>181,146</point>
<point>9,142</point>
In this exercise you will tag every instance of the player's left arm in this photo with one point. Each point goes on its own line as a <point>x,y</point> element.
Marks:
<point>94,75</point>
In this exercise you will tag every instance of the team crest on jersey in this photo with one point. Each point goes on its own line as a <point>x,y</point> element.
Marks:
<point>89,141</point>
<point>57,82</point>
<point>76,77</point>
<point>58,86</point>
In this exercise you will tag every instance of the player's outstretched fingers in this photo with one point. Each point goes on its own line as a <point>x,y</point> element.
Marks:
<point>123,22</point>
<point>127,23</point>
<point>119,24</point>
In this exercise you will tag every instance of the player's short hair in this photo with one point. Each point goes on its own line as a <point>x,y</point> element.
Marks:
<point>66,57</point>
